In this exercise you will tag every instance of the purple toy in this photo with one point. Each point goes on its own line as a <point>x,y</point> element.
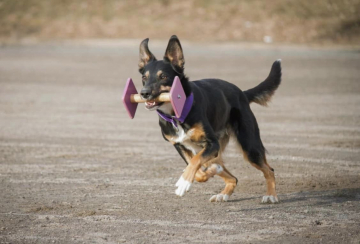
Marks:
<point>176,97</point>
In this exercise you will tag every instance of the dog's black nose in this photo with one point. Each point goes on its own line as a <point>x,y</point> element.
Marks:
<point>145,92</point>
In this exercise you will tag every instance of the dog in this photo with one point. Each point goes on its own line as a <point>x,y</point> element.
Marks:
<point>215,110</point>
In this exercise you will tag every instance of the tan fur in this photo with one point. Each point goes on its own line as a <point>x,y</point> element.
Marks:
<point>230,182</point>
<point>147,74</point>
<point>197,133</point>
<point>175,56</point>
<point>194,165</point>
<point>141,64</point>
<point>170,139</point>
<point>144,55</point>
<point>268,174</point>
<point>199,167</point>
<point>194,137</point>
<point>263,99</point>
<point>202,175</point>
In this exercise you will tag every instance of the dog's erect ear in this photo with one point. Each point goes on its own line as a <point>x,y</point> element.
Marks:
<point>145,56</point>
<point>174,54</point>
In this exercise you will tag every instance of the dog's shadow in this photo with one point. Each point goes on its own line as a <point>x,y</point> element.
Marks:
<point>310,198</point>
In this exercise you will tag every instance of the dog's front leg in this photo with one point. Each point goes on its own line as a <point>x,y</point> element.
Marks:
<point>187,178</point>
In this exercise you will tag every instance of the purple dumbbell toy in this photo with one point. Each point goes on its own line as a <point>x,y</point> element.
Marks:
<point>176,96</point>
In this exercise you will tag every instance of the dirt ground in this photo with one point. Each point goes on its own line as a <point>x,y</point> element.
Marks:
<point>75,169</point>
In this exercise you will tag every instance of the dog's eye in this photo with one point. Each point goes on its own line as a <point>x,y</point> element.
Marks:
<point>143,78</point>
<point>163,77</point>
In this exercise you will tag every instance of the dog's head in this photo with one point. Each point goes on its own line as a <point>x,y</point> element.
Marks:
<point>158,76</point>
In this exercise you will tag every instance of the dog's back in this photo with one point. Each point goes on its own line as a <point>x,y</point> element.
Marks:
<point>219,98</point>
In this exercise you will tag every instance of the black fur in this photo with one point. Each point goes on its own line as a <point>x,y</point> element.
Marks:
<point>266,88</point>
<point>218,105</point>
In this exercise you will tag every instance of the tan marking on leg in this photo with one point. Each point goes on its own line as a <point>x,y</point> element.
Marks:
<point>269,177</point>
<point>230,182</point>
<point>202,176</point>
<point>196,162</point>
<point>229,179</point>
<point>193,172</point>
<point>187,178</point>
<point>211,170</point>
<point>268,174</point>
<point>193,166</point>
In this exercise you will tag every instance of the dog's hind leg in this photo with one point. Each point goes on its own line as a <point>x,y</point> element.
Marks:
<point>269,175</point>
<point>257,159</point>
<point>230,184</point>
<point>248,136</point>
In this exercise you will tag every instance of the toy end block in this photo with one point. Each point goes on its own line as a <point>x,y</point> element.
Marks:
<point>128,91</point>
<point>178,97</point>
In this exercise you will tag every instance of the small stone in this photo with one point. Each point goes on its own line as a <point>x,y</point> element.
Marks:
<point>271,217</point>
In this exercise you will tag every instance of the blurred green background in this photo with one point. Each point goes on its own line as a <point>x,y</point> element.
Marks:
<point>320,22</point>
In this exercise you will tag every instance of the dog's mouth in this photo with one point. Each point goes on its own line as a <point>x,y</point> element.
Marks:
<point>152,105</point>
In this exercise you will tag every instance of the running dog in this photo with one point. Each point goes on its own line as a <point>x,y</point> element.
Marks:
<point>214,111</point>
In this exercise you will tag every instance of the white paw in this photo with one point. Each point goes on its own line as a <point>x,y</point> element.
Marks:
<point>269,199</point>
<point>182,186</point>
<point>219,198</point>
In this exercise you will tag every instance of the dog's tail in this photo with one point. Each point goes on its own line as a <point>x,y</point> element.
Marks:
<point>263,92</point>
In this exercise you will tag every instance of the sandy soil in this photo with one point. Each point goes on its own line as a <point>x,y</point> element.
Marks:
<point>75,169</point>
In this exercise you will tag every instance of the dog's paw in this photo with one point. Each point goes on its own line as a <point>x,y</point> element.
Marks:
<point>219,198</point>
<point>182,186</point>
<point>269,199</point>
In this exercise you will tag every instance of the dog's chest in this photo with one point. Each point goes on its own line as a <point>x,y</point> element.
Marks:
<point>189,139</point>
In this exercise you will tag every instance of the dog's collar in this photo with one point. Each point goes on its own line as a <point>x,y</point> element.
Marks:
<point>172,119</point>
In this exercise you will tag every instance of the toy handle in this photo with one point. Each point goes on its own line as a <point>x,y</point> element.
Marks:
<point>163,97</point>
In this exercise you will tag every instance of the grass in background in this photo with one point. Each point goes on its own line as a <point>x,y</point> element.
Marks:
<point>286,21</point>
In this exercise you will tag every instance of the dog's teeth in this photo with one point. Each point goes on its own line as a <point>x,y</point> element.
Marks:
<point>150,103</point>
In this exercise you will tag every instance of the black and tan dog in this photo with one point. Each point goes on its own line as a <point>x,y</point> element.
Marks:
<point>217,111</point>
